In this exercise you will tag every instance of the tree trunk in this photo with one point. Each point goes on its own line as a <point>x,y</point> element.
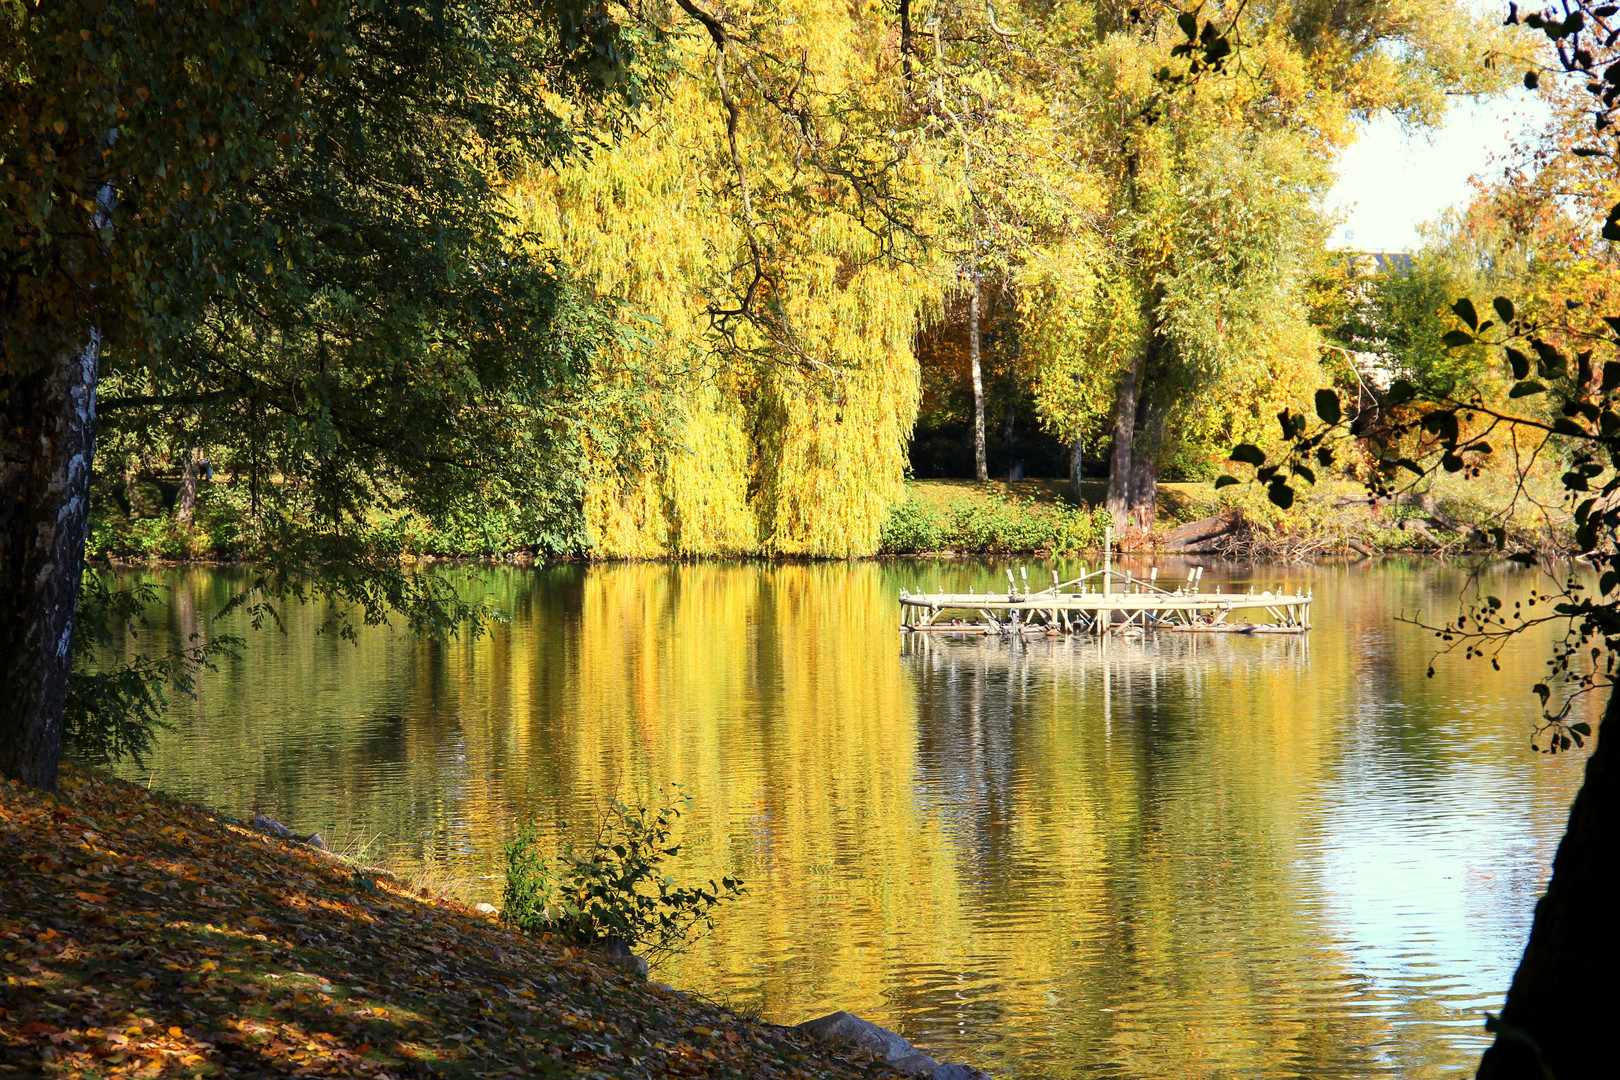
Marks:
<point>1074,470</point>
<point>1553,1022</point>
<point>185,504</point>
<point>1009,435</point>
<point>46,450</point>
<point>980,469</point>
<point>1142,490</point>
<point>1119,464</point>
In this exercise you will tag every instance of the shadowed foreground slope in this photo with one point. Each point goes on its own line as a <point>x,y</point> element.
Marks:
<point>145,937</point>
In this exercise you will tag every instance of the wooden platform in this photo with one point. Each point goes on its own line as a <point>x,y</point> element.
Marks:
<point>1103,601</point>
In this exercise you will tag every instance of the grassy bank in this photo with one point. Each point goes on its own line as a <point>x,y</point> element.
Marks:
<point>146,937</point>
<point>1333,517</point>
<point>933,516</point>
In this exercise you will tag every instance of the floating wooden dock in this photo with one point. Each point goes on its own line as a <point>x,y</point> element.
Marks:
<point>1104,601</point>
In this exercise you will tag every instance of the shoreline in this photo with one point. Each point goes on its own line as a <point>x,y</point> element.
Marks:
<point>152,936</point>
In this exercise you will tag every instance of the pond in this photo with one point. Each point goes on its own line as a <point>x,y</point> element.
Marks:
<point>1185,855</point>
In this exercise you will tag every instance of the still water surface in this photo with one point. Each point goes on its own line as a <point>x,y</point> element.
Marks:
<point>1182,856</point>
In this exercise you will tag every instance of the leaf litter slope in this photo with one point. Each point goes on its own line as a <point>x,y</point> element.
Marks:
<point>141,936</point>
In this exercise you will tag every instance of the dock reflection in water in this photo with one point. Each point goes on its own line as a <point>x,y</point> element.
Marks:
<point>1176,856</point>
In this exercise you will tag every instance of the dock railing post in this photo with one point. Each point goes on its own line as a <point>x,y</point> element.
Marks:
<point>1108,561</point>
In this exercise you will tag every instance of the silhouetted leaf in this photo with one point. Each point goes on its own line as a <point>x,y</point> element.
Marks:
<point>1248,453</point>
<point>1327,406</point>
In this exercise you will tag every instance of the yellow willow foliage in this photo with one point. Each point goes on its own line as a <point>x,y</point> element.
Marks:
<point>782,443</point>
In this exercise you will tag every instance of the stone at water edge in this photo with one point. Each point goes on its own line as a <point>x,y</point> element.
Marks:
<point>952,1071</point>
<point>271,826</point>
<point>894,1049</point>
<point>487,909</point>
<point>315,841</point>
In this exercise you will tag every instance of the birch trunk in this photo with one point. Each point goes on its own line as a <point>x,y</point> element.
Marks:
<point>981,469</point>
<point>46,452</point>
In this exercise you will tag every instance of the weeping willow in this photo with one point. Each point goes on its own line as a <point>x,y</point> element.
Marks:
<point>773,298</point>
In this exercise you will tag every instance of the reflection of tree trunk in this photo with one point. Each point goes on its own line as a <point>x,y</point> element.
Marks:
<point>980,468</point>
<point>186,502</point>
<point>1564,986</point>
<point>47,442</point>
<point>1142,493</point>
<point>1074,468</point>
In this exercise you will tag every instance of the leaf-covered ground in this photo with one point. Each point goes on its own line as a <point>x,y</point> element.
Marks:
<point>145,937</point>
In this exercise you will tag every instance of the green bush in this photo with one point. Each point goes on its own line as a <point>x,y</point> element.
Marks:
<point>615,888</point>
<point>912,527</point>
<point>998,525</point>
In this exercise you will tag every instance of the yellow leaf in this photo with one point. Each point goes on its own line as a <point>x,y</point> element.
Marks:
<point>176,1032</point>
<point>92,898</point>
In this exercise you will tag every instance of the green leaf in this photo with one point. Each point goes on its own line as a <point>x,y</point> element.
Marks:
<point>1504,309</point>
<point>1400,391</point>
<point>1189,25</point>
<point>1327,406</point>
<point>1464,310</point>
<point>1226,481</point>
<point>1525,389</point>
<point>1248,454</point>
<point>1306,473</point>
<point>1451,462</point>
<point>1280,494</point>
<point>1565,426</point>
<point>1456,339</point>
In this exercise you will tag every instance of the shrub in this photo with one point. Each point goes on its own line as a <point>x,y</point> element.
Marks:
<point>912,527</point>
<point>999,525</point>
<point>615,888</point>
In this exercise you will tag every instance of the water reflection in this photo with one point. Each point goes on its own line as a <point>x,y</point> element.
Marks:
<point>1181,855</point>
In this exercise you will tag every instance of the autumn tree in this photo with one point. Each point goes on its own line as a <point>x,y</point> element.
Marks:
<point>1559,413</point>
<point>285,221</point>
<point>1206,135</point>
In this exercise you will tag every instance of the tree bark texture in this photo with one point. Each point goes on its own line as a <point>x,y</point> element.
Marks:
<point>1119,463</point>
<point>1142,490</point>
<point>980,468</point>
<point>1568,981</point>
<point>185,504</point>
<point>1074,469</point>
<point>46,450</point>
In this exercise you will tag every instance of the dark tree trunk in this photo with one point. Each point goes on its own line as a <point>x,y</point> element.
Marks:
<point>1142,491</point>
<point>1009,433</point>
<point>980,468</point>
<point>1074,469</point>
<point>1119,464</point>
<point>185,504</point>
<point>1553,1022</point>
<point>46,450</point>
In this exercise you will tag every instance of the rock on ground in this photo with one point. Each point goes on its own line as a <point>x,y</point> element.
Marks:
<point>272,826</point>
<point>892,1048</point>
